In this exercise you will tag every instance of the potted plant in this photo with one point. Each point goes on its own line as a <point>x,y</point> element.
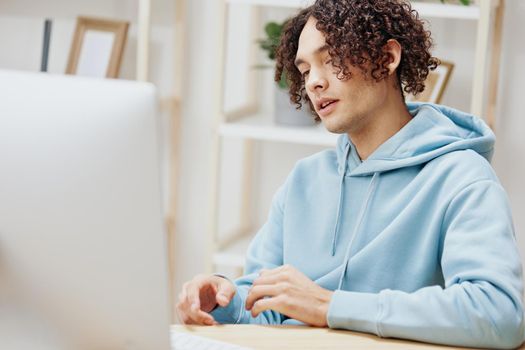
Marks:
<point>285,112</point>
<point>463,2</point>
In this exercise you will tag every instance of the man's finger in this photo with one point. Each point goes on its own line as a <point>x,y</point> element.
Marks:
<point>193,296</point>
<point>189,315</point>
<point>266,304</point>
<point>258,292</point>
<point>263,271</point>
<point>184,316</point>
<point>184,304</point>
<point>187,320</point>
<point>203,318</point>
<point>184,293</point>
<point>266,272</point>
<point>268,279</point>
<point>277,270</point>
<point>225,292</point>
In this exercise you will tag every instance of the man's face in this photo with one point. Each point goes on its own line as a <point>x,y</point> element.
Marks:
<point>343,105</point>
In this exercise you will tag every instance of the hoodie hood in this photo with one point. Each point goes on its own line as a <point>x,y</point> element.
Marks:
<point>434,130</point>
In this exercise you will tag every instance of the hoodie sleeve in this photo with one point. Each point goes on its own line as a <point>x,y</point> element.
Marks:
<point>481,304</point>
<point>265,251</point>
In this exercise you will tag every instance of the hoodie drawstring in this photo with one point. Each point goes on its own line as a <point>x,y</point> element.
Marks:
<point>371,190</point>
<point>340,204</point>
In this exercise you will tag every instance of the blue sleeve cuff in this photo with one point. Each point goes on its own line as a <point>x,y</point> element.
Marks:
<point>232,312</point>
<point>355,311</point>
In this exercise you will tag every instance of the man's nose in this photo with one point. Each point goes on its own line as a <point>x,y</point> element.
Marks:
<point>316,82</point>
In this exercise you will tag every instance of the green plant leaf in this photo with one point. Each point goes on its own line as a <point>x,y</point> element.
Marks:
<point>283,84</point>
<point>463,2</point>
<point>273,30</point>
<point>269,44</point>
<point>261,66</point>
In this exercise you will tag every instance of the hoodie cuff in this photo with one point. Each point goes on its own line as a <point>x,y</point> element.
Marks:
<point>230,313</point>
<point>355,311</point>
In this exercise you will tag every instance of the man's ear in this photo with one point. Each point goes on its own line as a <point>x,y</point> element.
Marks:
<point>393,49</point>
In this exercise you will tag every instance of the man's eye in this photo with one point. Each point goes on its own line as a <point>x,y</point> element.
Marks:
<point>329,61</point>
<point>305,73</point>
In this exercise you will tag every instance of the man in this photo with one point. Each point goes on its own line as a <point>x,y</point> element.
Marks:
<point>404,230</point>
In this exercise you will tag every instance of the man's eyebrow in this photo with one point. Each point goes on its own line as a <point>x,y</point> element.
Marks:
<point>317,51</point>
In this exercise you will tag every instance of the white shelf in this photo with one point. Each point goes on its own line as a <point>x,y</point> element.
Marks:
<point>274,3</point>
<point>439,10</point>
<point>233,255</point>
<point>431,10</point>
<point>262,127</point>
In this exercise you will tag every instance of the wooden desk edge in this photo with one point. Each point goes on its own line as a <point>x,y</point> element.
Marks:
<point>301,337</point>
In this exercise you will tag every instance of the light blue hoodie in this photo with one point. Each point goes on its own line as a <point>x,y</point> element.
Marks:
<point>417,241</point>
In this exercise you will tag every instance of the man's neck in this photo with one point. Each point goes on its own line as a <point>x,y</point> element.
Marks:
<point>379,127</point>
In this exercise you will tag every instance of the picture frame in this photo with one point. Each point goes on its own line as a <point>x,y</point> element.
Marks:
<point>97,47</point>
<point>435,84</point>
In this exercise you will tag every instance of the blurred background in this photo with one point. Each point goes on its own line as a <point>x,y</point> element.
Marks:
<point>223,152</point>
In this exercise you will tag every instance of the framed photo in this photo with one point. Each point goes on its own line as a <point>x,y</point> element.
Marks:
<point>435,84</point>
<point>97,47</point>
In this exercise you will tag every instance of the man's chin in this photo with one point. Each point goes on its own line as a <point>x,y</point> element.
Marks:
<point>333,128</point>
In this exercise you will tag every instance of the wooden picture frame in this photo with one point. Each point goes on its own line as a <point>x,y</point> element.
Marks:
<point>97,47</point>
<point>435,84</point>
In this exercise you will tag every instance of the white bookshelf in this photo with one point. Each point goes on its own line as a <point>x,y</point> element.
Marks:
<point>260,127</point>
<point>274,3</point>
<point>425,9</point>
<point>438,10</point>
<point>62,10</point>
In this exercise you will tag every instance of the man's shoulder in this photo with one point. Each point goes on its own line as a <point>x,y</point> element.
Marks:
<point>326,159</point>
<point>463,164</point>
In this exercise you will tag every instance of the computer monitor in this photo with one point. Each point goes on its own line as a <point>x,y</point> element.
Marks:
<point>82,242</point>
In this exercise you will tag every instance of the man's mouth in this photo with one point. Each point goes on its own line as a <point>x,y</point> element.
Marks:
<point>326,106</point>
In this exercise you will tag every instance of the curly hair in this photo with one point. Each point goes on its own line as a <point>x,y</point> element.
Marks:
<point>356,32</point>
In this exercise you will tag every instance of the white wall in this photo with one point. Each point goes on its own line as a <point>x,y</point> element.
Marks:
<point>509,159</point>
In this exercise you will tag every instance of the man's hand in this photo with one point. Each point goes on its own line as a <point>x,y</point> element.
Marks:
<point>290,292</point>
<point>200,296</point>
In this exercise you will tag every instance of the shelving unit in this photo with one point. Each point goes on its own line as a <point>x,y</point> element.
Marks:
<point>253,126</point>
<point>260,127</point>
<point>424,9</point>
<point>144,28</point>
<point>143,22</point>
